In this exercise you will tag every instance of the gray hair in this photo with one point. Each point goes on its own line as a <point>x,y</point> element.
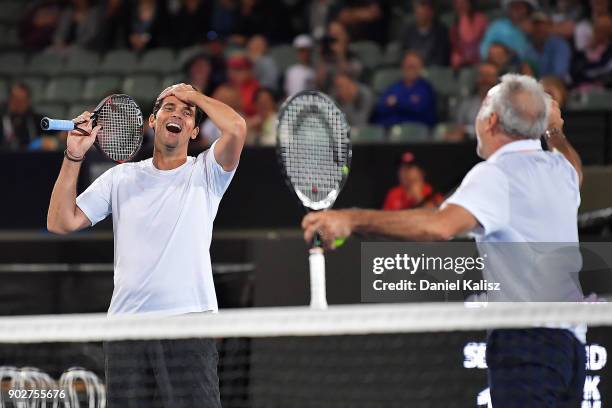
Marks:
<point>521,105</point>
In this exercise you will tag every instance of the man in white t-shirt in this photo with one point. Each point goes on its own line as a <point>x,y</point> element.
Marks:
<point>521,198</point>
<point>163,210</point>
<point>300,76</point>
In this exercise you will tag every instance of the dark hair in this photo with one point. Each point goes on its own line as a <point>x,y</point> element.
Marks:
<point>269,91</point>
<point>199,115</point>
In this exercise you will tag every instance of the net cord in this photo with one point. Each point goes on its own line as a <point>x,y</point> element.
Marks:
<point>302,321</point>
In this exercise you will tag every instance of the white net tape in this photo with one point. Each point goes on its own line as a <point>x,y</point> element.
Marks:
<point>302,321</point>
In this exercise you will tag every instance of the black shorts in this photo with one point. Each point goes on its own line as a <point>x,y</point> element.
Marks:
<point>535,368</point>
<point>162,373</point>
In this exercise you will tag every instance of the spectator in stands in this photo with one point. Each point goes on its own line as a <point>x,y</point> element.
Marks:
<point>592,68</point>
<point>215,46</point>
<point>262,17</point>
<point>365,20</point>
<point>240,76</point>
<point>79,26</point>
<point>556,88</point>
<point>512,30</point>
<point>38,24</point>
<point>467,111</point>
<point>410,100</point>
<point>319,12</point>
<point>224,17</point>
<point>264,67</point>
<point>565,15</point>
<point>584,31</point>
<point>300,76</point>
<point>262,125</point>
<point>336,57</point>
<point>227,94</point>
<point>549,53</point>
<point>355,99</point>
<point>148,25</point>
<point>191,22</point>
<point>19,124</point>
<point>198,72</point>
<point>413,191</point>
<point>114,24</point>
<point>504,59</point>
<point>427,35</point>
<point>466,33</point>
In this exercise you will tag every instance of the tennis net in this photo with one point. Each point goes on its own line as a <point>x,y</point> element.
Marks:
<point>392,355</point>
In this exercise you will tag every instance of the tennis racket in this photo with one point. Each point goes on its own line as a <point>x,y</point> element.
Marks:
<point>314,150</point>
<point>121,119</point>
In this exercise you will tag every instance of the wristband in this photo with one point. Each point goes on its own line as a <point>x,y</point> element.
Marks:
<point>72,158</point>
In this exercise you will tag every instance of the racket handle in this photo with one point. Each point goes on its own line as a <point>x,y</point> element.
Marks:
<point>56,124</point>
<point>318,297</point>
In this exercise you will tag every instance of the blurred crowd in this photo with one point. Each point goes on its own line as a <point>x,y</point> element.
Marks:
<point>565,43</point>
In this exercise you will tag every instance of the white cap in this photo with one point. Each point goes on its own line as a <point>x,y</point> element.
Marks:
<point>302,41</point>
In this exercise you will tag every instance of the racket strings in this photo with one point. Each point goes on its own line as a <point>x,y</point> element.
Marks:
<point>121,133</point>
<point>314,147</point>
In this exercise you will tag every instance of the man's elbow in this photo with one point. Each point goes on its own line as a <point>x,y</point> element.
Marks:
<point>55,228</point>
<point>239,128</point>
<point>439,232</point>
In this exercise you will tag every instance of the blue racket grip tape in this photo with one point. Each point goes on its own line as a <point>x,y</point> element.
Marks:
<point>56,124</point>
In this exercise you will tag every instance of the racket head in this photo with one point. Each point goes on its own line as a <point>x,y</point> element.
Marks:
<point>313,148</point>
<point>120,137</point>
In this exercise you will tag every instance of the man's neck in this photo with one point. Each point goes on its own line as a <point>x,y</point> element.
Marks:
<point>168,160</point>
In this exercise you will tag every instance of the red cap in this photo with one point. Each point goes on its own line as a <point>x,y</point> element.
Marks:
<point>239,62</point>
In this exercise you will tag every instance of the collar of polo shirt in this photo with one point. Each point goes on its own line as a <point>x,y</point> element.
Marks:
<point>517,146</point>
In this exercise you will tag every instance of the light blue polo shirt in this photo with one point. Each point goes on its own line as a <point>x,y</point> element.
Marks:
<point>526,202</point>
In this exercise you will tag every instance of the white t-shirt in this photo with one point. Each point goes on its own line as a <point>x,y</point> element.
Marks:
<point>299,78</point>
<point>162,225</point>
<point>526,201</point>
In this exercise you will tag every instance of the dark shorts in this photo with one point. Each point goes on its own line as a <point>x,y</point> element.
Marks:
<point>162,373</point>
<point>539,367</point>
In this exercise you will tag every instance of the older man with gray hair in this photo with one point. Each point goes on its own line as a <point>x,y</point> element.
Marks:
<point>518,194</point>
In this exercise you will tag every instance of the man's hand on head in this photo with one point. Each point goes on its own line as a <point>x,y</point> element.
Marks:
<point>330,225</point>
<point>184,92</point>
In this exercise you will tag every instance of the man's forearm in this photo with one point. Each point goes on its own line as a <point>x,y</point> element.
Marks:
<point>414,225</point>
<point>225,118</point>
<point>556,140</point>
<point>62,207</point>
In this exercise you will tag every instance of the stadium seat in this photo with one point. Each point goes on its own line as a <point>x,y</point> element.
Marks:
<point>448,18</point>
<point>443,80</point>
<point>284,56</point>
<point>143,88</point>
<point>4,90</point>
<point>368,134</point>
<point>53,110</point>
<point>76,109</point>
<point>81,62</point>
<point>409,133</point>
<point>98,87</point>
<point>45,63</point>
<point>67,89</point>
<point>467,81</point>
<point>9,39</point>
<point>12,63</point>
<point>383,78</point>
<point>594,100</point>
<point>11,12</point>
<point>171,80</point>
<point>393,54</point>
<point>119,62</point>
<point>159,61</point>
<point>37,87</point>
<point>186,54</point>
<point>368,52</point>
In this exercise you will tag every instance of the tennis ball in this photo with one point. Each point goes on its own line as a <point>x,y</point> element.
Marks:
<point>338,242</point>
<point>345,169</point>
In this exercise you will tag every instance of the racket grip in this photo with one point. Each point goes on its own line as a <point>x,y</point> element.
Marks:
<point>56,124</point>
<point>318,297</point>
